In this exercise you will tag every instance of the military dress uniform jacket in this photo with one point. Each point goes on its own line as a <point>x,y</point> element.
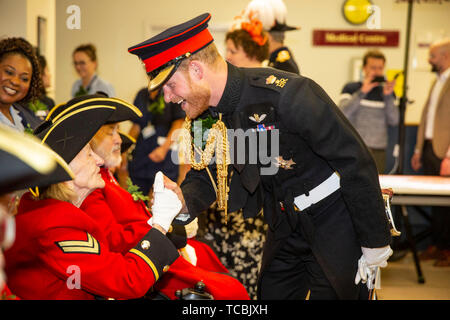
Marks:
<point>62,253</point>
<point>318,138</point>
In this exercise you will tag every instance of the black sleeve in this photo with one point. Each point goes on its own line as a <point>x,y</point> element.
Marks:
<point>198,193</point>
<point>158,249</point>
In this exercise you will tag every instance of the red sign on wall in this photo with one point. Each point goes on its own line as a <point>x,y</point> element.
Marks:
<point>358,38</point>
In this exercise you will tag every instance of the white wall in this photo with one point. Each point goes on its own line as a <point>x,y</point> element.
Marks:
<point>13,19</point>
<point>114,25</point>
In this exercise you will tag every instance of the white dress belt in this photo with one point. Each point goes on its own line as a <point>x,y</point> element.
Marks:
<point>323,190</point>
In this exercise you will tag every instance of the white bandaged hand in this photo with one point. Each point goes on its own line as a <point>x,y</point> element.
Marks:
<point>372,259</point>
<point>166,204</point>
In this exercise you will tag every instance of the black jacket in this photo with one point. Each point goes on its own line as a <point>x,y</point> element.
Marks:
<point>319,139</point>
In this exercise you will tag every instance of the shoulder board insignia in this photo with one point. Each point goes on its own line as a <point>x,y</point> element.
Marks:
<point>283,56</point>
<point>278,82</point>
<point>80,246</point>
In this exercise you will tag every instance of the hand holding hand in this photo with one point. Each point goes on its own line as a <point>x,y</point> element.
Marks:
<point>166,204</point>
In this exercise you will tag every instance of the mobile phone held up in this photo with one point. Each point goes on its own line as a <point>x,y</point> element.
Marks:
<point>379,79</point>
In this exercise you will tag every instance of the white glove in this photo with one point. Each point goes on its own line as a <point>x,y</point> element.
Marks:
<point>369,263</point>
<point>166,204</point>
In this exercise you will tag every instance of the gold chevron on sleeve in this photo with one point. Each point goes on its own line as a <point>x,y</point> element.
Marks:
<point>80,246</point>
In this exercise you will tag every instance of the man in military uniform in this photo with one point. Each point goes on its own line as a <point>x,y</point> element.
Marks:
<point>272,14</point>
<point>320,193</point>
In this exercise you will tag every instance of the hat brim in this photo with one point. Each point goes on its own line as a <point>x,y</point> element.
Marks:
<point>127,142</point>
<point>161,78</point>
<point>283,28</point>
<point>68,134</point>
<point>25,162</point>
<point>124,110</point>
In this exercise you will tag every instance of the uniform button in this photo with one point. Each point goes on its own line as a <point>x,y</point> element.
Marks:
<point>166,268</point>
<point>145,244</point>
<point>170,229</point>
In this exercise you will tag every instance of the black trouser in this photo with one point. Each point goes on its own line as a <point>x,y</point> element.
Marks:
<point>295,274</point>
<point>440,223</point>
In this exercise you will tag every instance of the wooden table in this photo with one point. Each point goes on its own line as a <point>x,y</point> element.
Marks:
<point>418,190</point>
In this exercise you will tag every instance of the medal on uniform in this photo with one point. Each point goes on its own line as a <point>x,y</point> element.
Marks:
<point>284,164</point>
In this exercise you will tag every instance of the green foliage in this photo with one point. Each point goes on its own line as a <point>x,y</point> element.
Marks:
<point>135,192</point>
<point>199,127</point>
<point>157,107</point>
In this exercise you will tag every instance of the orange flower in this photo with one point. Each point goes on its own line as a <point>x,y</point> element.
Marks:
<point>255,28</point>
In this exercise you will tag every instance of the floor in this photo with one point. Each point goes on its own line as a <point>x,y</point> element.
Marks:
<point>399,281</point>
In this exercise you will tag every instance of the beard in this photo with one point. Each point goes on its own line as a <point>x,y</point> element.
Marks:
<point>434,68</point>
<point>113,160</point>
<point>198,100</point>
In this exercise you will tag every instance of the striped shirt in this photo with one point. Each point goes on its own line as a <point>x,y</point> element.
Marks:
<point>369,113</point>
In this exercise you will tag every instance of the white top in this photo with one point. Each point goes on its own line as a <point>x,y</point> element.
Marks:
<point>94,86</point>
<point>434,97</point>
<point>17,120</point>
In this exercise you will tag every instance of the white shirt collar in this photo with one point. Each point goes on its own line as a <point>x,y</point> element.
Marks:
<point>444,75</point>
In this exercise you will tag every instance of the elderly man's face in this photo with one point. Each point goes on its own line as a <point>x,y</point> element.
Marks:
<point>192,96</point>
<point>106,143</point>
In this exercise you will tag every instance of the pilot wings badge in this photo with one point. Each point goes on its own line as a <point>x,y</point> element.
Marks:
<point>258,118</point>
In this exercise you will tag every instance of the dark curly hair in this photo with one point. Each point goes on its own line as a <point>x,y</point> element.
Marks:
<point>22,47</point>
<point>243,39</point>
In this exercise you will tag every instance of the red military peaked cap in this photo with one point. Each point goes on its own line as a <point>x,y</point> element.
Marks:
<point>163,53</point>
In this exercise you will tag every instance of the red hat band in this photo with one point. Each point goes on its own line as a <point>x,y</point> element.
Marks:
<point>190,45</point>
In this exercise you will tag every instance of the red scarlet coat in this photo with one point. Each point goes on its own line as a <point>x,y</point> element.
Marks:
<point>62,253</point>
<point>181,273</point>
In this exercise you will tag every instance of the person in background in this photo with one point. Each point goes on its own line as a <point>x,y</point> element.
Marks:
<point>36,110</point>
<point>20,82</point>
<point>370,106</point>
<point>433,147</point>
<point>86,64</point>
<point>46,81</point>
<point>272,14</point>
<point>246,44</point>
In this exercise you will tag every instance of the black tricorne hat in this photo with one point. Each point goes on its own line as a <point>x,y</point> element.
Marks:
<point>123,110</point>
<point>163,53</point>
<point>25,162</point>
<point>69,131</point>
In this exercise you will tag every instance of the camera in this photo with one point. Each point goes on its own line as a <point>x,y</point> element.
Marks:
<point>379,79</point>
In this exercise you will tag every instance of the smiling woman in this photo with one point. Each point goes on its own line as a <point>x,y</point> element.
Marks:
<point>20,79</point>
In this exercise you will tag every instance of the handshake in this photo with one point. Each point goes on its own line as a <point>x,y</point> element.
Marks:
<point>166,205</point>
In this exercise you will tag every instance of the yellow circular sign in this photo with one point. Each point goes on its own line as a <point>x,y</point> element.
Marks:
<point>357,11</point>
